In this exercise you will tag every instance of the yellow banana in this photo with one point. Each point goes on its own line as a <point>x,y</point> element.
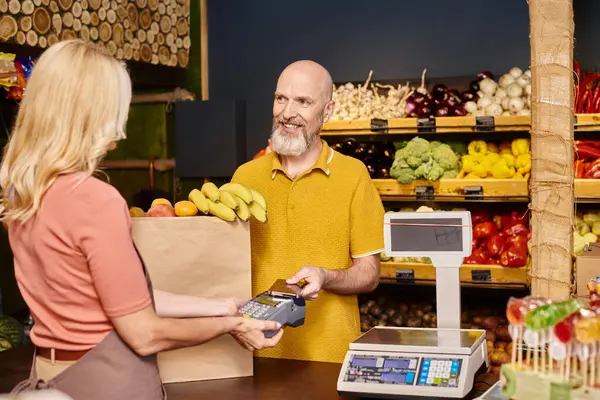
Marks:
<point>258,212</point>
<point>211,192</point>
<point>239,190</point>
<point>242,211</point>
<point>228,199</point>
<point>199,200</point>
<point>220,210</point>
<point>257,197</point>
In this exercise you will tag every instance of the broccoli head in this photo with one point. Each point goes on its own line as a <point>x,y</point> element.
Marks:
<point>434,145</point>
<point>403,175</point>
<point>445,157</point>
<point>452,174</point>
<point>423,170</point>
<point>436,172</point>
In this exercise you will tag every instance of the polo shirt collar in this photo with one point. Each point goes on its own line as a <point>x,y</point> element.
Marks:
<point>322,163</point>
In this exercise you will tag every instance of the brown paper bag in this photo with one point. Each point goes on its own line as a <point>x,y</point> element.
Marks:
<point>199,256</point>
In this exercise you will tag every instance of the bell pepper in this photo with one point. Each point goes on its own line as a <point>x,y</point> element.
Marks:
<point>506,146</point>
<point>498,221</point>
<point>509,158</point>
<point>593,172</point>
<point>484,230</point>
<point>518,176</point>
<point>579,169</point>
<point>501,170</point>
<point>495,245</point>
<point>517,229</point>
<point>478,256</point>
<point>468,163</point>
<point>518,239</point>
<point>481,215</point>
<point>478,147</point>
<point>520,146</point>
<point>515,256</point>
<point>474,244</point>
<point>509,220</point>
<point>523,163</point>
<point>493,148</point>
<point>471,175</point>
<point>480,170</point>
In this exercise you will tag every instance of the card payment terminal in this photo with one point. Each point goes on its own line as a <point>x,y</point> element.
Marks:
<point>279,303</point>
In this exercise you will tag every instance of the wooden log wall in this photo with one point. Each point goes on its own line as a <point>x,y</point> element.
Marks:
<point>150,31</point>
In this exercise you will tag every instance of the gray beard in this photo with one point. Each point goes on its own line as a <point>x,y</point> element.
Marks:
<point>294,146</point>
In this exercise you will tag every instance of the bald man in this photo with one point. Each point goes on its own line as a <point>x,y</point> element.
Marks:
<point>325,222</point>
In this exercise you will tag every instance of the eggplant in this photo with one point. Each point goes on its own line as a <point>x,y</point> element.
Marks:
<point>459,111</point>
<point>361,151</point>
<point>424,112</point>
<point>383,173</point>
<point>474,86</point>
<point>485,74</point>
<point>372,173</point>
<point>388,154</point>
<point>349,146</point>
<point>373,151</point>
<point>439,90</point>
<point>442,111</point>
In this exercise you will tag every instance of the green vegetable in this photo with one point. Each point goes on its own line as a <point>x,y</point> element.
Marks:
<point>404,176</point>
<point>400,145</point>
<point>450,174</point>
<point>590,218</point>
<point>459,148</point>
<point>11,329</point>
<point>446,157</point>
<point>582,226</point>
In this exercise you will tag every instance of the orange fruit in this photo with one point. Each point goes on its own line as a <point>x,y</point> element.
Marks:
<point>185,208</point>
<point>161,201</point>
<point>135,212</point>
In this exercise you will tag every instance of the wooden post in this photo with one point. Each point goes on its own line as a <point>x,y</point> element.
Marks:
<point>552,147</point>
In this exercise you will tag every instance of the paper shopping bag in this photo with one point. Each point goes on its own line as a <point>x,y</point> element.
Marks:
<point>198,256</point>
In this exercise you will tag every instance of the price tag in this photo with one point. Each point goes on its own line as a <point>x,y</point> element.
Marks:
<point>473,192</point>
<point>426,125</point>
<point>485,124</point>
<point>379,125</point>
<point>481,275</point>
<point>424,193</point>
<point>405,275</point>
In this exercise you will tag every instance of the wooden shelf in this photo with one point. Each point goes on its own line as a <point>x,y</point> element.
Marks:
<point>583,122</point>
<point>470,275</point>
<point>449,188</point>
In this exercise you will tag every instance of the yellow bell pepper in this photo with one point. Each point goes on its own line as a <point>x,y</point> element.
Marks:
<point>468,163</point>
<point>478,147</point>
<point>480,170</point>
<point>518,176</point>
<point>506,151</point>
<point>506,146</point>
<point>492,158</point>
<point>501,170</point>
<point>527,175</point>
<point>493,148</point>
<point>472,176</point>
<point>509,159</point>
<point>523,163</point>
<point>520,146</point>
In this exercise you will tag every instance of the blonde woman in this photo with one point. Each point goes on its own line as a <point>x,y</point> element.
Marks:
<point>97,322</point>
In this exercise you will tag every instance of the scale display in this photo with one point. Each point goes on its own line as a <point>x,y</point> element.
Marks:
<point>406,235</point>
<point>382,370</point>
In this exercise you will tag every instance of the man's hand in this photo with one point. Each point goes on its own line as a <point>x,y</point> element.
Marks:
<point>315,280</point>
<point>250,334</point>
<point>234,304</point>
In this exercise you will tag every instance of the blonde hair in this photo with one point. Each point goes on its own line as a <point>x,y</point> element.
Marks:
<point>75,105</point>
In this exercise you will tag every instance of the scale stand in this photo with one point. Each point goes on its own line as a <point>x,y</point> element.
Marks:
<point>389,362</point>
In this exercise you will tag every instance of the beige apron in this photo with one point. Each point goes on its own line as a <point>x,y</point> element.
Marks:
<point>111,370</point>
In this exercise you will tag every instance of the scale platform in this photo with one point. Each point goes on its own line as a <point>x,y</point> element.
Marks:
<point>389,362</point>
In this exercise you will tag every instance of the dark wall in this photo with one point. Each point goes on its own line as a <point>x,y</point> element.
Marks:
<point>587,33</point>
<point>250,42</point>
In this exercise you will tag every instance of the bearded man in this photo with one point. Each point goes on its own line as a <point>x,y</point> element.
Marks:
<point>325,219</point>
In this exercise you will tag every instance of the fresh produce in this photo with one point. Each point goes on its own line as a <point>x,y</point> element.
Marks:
<point>229,202</point>
<point>379,310</point>
<point>11,331</point>
<point>587,230</point>
<point>377,157</point>
<point>161,210</point>
<point>136,212</point>
<point>185,208</point>
<point>511,95</point>
<point>500,239</point>
<point>587,86</point>
<point>507,160</point>
<point>439,102</point>
<point>421,159</point>
<point>587,159</point>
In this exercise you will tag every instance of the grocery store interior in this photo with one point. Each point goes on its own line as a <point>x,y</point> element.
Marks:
<point>451,106</point>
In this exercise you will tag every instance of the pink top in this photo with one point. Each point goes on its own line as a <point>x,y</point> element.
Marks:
<point>75,264</point>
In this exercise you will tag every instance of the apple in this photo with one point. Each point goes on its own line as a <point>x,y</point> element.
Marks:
<point>161,210</point>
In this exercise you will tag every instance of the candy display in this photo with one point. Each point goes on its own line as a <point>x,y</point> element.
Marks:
<point>560,340</point>
<point>14,73</point>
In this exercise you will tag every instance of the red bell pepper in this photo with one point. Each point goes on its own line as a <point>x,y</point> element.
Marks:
<point>517,229</point>
<point>518,239</point>
<point>498,221</point>
<point>484,230</point>
<point>474,244</point>
<point>494,261</point>
<point>509,220</point>
<point>495,245</point>
<point>514,256</point>
<point>481,215</point>
<point>479,256</point>
<point>587,152</point>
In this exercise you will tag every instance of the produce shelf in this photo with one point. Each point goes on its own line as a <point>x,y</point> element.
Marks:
<point>455,189</point>
<point>583,122</point>
<point>470,274</point>
<point>587,190</point>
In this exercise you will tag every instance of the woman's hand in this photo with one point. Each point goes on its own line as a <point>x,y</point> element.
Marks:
<point>250,334</point>
<point>234,303</point>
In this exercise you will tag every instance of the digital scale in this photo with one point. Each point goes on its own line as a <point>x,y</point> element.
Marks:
<point>390,362</point>
<point>280,303</point>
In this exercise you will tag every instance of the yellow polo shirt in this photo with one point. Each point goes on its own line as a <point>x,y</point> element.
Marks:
<point>323,218</point>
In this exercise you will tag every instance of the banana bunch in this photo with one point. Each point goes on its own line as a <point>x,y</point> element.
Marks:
<point>230,201</point>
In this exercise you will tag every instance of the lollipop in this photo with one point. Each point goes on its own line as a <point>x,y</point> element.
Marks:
<point>548,315</point>
<point>515,313</point>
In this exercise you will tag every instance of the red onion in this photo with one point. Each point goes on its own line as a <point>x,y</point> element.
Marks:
<point>485,74</point>
<point>411,109</point>
<point>442,111</point>
<point>459,111</point>
<point>424,111</point>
